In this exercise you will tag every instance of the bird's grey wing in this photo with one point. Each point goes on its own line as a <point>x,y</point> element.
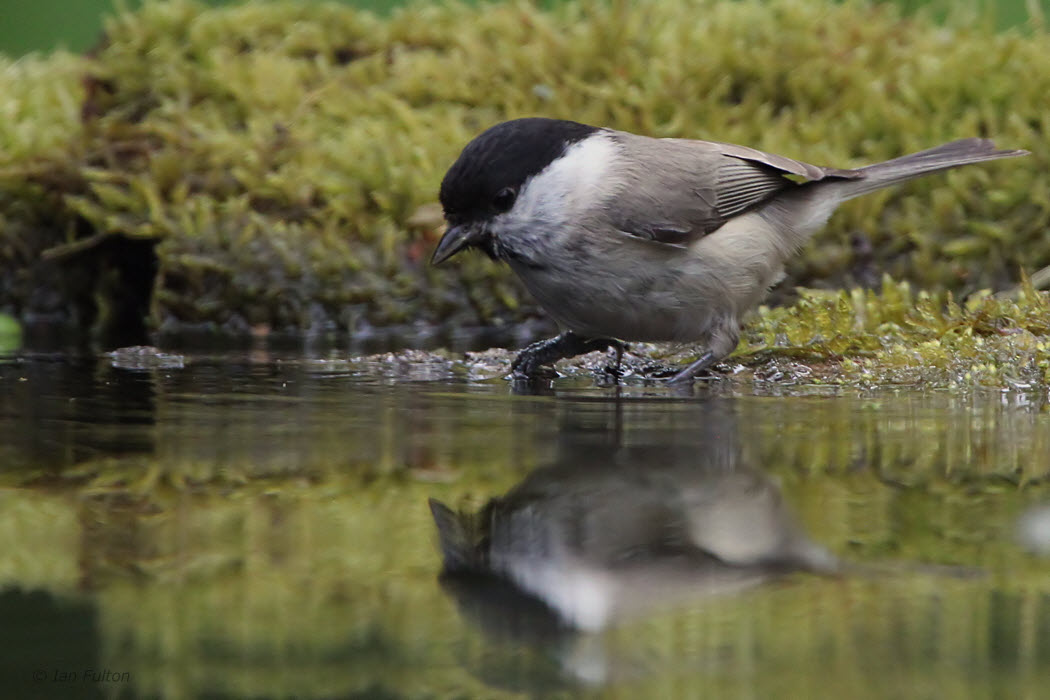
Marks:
<point>680,190</point>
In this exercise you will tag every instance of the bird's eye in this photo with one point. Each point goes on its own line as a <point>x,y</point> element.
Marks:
<point>504,199</point>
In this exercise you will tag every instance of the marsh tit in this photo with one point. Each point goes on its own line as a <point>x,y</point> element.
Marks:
<point>621,237</point>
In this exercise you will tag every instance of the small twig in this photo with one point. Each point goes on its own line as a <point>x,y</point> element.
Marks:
<point>66,250</point>
<point>1038,280</point>
<point>1041,279</point>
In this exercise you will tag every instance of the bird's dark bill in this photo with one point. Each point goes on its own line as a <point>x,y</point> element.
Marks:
<point>455,239</point>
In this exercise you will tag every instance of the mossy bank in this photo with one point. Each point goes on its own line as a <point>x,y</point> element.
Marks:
<point>268,166</point>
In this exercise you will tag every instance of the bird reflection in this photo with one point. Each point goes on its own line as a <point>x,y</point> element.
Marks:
<point>615,528</point>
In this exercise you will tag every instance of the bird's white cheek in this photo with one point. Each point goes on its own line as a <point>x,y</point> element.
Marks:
<point>551,204</point>
<point>573,184</point>
<point>538,214</point>
<point>543,198</point>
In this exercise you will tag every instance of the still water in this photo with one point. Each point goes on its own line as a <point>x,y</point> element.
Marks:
<point>255,525</point>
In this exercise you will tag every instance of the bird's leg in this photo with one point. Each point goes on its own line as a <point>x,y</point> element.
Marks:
<point>610,373</point>
<point>619,348</point>
<point>690,372</point>
<point>722,341</point>
<point>568,344</point>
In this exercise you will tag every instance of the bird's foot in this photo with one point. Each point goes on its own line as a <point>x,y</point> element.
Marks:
<point>690,373</point>
<point>566,345</point>
<point>663,373</point>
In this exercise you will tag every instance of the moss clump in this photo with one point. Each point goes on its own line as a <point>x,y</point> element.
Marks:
<point>259,166</point>
<point>900,337</point>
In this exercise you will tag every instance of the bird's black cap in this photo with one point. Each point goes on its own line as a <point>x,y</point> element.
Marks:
<point>504,155</point>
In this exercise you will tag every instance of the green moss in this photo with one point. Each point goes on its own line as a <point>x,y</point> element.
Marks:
<point>10,334</point>
<point>275,153</point>
<point>902,337</point>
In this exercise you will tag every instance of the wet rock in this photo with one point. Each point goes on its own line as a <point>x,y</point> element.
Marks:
<point>144,357</point>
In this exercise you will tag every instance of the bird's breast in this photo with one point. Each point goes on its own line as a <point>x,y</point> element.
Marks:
<point>611,297</point>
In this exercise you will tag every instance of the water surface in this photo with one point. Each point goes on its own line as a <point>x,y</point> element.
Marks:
<point>258,525</point>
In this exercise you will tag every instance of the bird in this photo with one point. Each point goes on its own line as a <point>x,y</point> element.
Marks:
<point>622,237</point>
<point>605,534</point>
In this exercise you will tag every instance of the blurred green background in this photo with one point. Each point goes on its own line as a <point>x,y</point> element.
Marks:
<point>76,25</point>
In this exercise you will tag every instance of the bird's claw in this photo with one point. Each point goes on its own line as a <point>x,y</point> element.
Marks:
<point>546,352</point>
<point>702,364</point>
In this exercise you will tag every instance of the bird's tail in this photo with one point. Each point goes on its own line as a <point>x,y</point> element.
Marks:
<point>949,155</point>
<point>799,213</point>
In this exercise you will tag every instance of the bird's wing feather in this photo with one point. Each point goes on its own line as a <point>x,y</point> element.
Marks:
<point>678,190</point>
